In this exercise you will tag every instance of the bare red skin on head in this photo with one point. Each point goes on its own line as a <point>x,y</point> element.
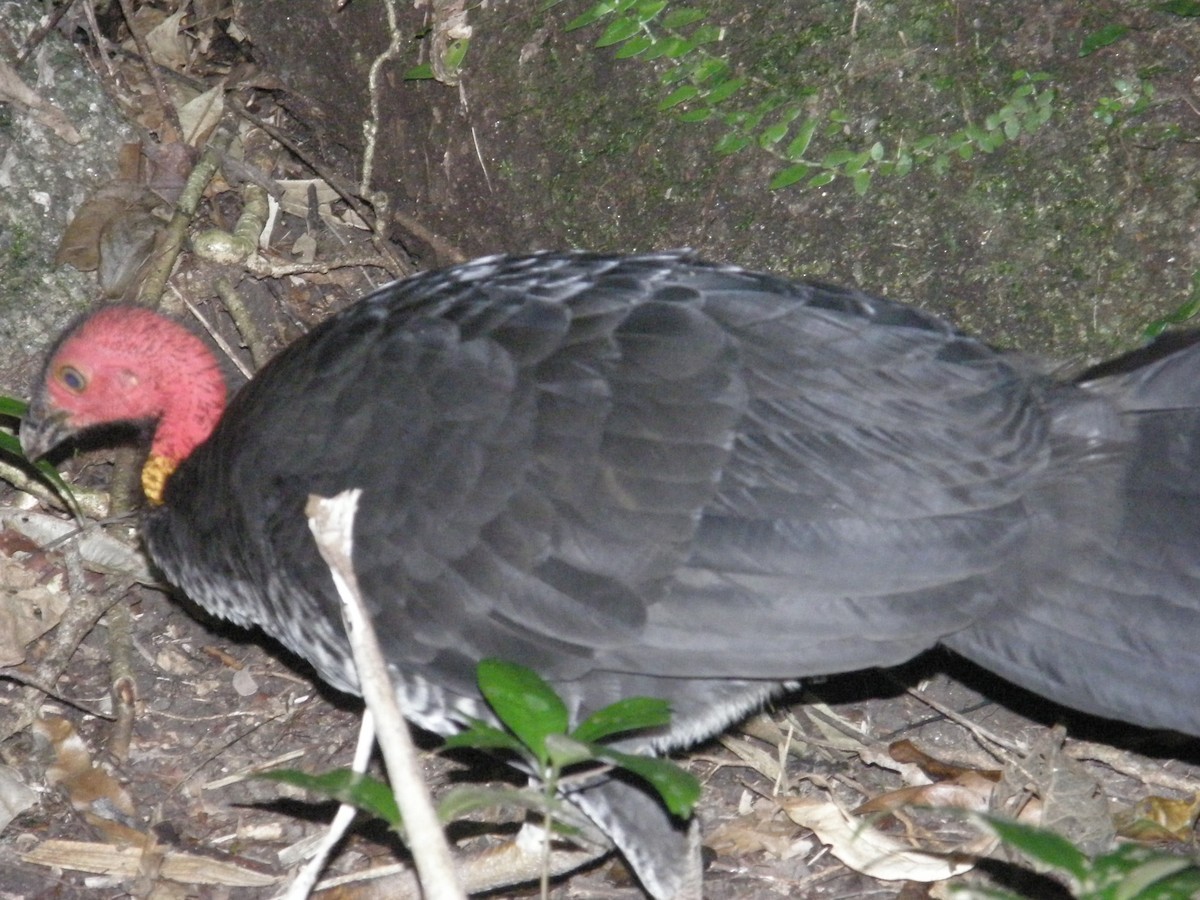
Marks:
<point>129,364</point>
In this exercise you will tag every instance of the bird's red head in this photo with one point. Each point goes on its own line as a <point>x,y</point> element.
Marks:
<point>128,364</point>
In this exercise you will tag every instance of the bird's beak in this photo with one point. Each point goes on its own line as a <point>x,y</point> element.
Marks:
<point>43,429</point>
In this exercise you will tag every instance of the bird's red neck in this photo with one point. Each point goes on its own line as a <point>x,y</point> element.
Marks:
<point>193,394</point>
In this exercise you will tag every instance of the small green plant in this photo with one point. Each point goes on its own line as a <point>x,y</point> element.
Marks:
<point>702,86</point>
<point>536,730</point>
<point>1132,98</point>
<point>1181,314</point>
<point>11,408</point>
<point>1130,872</point>
<point>452,62</point>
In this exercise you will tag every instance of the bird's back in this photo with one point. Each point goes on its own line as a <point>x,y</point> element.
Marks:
<point>637,475</point>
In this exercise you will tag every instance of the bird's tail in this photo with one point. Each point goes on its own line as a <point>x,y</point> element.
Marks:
<point>1103,612</point>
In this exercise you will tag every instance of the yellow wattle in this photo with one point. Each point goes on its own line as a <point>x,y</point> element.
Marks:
<point>155,473</point>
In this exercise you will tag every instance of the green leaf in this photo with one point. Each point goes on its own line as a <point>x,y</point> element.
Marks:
<point>482,736</point>
<point>456,52</point>
<point>669,46</point>
<point>597,12</point>
<point>681,94</point>
<point>822,179</point>
<point>724,90</point>
<point>524,702</point>
<point>346,786</point>
<point>708,69</point>
<point>696,115</point>
<point>677,47</point>
<point>857,163</point>
<point>630,714</point>
<point>837,158</point>
<point>564,751</point>
<point>11,406</point>
<point>980,135</point>
<point>799,145</point>
<point>1159,870</point>
<point>773,135</point>
<point>1188,8</point>
<point>789,176</point>
<point>618,31</point>
<point>649,9</point>
<point>706,34</point>
<point>679,790</point>
<point>637,45</point>
<point>862,181</point>
<point>1044,846</point>
<point>681,17</point>
<point>419,73</point>
<point>1097,40</point>
<point>731,143</point>
<point>468,798</point>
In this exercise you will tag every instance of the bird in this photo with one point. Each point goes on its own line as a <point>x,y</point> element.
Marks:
<point>655,475</point>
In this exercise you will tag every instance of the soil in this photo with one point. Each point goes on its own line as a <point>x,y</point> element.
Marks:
<point>1065,242</point>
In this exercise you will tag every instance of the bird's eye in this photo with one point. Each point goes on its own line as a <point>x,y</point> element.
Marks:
<point>71,378</point>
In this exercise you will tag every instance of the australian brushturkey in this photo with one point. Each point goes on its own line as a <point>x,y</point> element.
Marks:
<point>649,475</point>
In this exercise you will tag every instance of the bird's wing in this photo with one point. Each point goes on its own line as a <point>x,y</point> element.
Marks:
<point>640,466</point>
<point>712,474</point>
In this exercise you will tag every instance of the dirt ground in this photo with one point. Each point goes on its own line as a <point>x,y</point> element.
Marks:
<point>202,706</point>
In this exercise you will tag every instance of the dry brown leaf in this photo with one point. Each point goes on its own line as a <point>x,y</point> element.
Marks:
<point>756,834</point>
<point>15,795</point>
<point>29,607</point>
<point>766,764</point>
<point>1159,819</point>
<point>906,751</point>
<point>14,90</point>
<point>80,244</point>
<point>295,201</point>
<point>128,862</point>
<point>99,551</point>
<point>92,792</point>
<point>200,115</point>
<point>968,791</point>
<point>866,849</point>
<point>169,44</point>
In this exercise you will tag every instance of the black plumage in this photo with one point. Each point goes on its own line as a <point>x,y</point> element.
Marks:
<point>649,475</point>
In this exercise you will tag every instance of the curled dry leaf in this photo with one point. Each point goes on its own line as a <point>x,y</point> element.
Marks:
<point>200,115</point>
<point>14,90</point>
<point>169,43</point>
<point>864,848</point>
<point>131,862</point>
<point>99,551</point>
<point>31,603</point>
<point>1157,818</point>
<point>15,795</point>
<point>968,791</point>
<point>92,792</point>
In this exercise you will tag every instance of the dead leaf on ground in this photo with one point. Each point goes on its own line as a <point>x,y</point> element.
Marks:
<point>129,862</point>
<point>92,792</point>
<point>30,605</point>
<point>1160,819</point>
<point>862,847</point>
<point>15,795</point>
<point>968,791</point>
<point>14,90</point>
